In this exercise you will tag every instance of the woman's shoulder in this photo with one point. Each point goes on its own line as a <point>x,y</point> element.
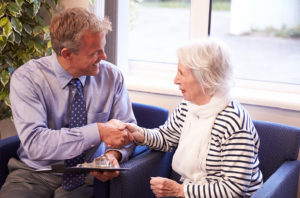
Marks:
<point>235,117</point>
<point>180,112</point>
<point>182,108</point>
<point>183,105</point>
<point>234,108</point>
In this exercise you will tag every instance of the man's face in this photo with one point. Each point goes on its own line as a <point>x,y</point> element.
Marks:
<point>90,53</point>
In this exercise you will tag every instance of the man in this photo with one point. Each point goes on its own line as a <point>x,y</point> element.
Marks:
<point>61,106</point>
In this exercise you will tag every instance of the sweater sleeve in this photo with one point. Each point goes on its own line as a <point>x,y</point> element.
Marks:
<point>167,136</point>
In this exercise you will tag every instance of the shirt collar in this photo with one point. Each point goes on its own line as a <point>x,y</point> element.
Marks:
<point>62,75</point>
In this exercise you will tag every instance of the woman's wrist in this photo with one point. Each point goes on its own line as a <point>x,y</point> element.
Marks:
<point>141,139</point>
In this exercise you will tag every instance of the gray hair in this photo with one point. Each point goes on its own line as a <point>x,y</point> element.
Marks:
<point>67,28</point>
<point>210,62</point>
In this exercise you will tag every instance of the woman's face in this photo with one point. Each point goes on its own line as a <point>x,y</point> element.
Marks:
<point>188,85</point>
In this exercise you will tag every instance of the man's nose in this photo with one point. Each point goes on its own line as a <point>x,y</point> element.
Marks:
<point>102,56</point>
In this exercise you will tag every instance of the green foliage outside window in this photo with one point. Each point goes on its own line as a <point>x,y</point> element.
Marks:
<point>24,35</point>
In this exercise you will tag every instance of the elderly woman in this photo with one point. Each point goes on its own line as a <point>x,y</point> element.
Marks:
<point>217,143</point>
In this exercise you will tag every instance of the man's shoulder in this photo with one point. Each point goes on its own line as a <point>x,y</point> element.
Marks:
<point>33,71</point>
<point>108,66</point>
<point>33,65</point>
<point>109,69</point>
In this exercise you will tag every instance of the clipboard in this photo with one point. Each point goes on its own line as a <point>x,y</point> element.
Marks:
<point>60,168</point>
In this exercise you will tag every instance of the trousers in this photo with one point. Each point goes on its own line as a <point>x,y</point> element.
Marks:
<point>24,182</point>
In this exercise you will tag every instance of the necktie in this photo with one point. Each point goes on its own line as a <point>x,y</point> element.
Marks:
<point>78,118</point>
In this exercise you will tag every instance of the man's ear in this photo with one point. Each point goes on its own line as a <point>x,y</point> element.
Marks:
<point>66,53</point>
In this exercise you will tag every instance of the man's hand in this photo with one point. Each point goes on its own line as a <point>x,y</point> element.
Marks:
<point>163,187</point>
<point>113,134</point>
<point>108,175</point>
<point>136,131</point>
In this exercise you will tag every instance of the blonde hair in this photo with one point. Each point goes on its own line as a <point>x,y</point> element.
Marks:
<point>67,28</point>
<point>210,62</point>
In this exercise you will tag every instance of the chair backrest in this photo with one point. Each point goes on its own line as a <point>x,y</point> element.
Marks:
<point>149,116</point>
<point>278,143</point>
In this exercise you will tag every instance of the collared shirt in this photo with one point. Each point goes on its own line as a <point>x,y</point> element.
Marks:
<point>41,98</point>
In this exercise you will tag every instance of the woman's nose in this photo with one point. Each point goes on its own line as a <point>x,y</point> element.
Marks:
<point>176,79</point>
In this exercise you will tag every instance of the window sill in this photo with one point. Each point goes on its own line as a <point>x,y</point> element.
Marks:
<point>260,94</point>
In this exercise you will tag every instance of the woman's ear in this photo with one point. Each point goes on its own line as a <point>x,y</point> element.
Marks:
<point>66,53</point>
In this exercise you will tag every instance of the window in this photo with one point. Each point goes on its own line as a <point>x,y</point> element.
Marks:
<point>264,37</point>
<point>157,28</point>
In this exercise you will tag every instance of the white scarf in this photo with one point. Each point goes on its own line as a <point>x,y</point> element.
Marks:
<point>190,157</point>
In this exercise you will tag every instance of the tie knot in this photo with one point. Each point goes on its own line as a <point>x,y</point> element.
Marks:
<point>75,82</point>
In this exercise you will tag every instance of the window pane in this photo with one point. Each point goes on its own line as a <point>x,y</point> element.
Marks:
<point>264,36</point>
<point>157,28</point>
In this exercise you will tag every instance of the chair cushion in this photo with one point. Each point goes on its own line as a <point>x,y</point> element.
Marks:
<point>138,150</point>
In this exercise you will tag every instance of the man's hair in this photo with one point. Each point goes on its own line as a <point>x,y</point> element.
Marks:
<point>67,28</point>
<point>210,62</point>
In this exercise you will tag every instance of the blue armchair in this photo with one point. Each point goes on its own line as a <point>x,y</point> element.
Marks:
<point>278,162</point>
<point>8,149</point>
<point>278,155</point>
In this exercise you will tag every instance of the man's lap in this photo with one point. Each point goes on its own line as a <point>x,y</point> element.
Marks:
<point>22,181</point>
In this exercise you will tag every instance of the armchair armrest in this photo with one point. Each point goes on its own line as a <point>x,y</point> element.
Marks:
<point>282,183</point>
<point>136,181</point>
<point>8,149</point>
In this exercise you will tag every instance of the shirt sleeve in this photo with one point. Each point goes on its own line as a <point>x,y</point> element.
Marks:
<point>122,110</point>
<point>30,119</point>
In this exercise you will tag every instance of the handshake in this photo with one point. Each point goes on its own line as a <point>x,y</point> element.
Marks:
<point>116,134</point>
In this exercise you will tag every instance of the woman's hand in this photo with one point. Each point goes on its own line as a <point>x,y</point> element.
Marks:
<point>136,131</point>
<point>163,187</point>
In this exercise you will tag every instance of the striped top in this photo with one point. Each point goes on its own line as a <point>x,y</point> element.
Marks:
<point>232,160</point>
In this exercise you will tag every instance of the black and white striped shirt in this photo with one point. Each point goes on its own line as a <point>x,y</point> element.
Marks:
<point>232,160</point>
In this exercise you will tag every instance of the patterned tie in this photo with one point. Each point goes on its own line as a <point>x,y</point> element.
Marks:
<point>78,118</point>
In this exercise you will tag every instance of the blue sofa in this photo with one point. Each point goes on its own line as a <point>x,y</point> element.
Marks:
<point>278,155</point>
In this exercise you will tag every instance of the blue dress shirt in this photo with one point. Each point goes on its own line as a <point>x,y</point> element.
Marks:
<point>41,98</point>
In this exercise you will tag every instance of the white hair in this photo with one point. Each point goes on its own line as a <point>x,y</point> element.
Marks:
<point>209,60</point>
